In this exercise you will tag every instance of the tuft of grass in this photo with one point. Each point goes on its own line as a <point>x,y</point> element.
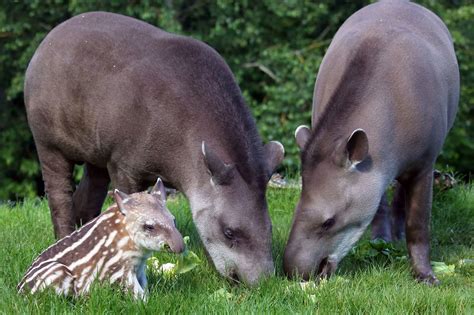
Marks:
<point>374,278</point>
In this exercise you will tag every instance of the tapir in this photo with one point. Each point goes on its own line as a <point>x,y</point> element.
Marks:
<point>133,102</point>
<point>385,97</point>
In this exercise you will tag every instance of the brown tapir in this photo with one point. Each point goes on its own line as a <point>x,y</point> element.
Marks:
<point>385,97</point>
<point>133,102</point>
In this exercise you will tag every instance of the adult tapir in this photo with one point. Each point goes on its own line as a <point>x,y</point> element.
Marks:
<point>385,97</point>
<point>133,102</point>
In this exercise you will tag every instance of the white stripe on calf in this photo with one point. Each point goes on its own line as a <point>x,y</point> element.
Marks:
<point>79,242</point>
<point>117,275</point>
<point>44,265</point>
<point>84,274</point>
<point>66,285</point>
<point>110,239</point>
<point>53,277</point>
<point>123,242</point>
<point>109,263</point>
<point>91,254</point>
<point>93,276</point>
<point>42,277</point>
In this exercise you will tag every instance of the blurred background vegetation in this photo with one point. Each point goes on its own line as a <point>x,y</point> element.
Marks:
<point>273,47</point>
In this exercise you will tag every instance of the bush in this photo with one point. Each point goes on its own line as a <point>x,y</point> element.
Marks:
<point>273,47</point>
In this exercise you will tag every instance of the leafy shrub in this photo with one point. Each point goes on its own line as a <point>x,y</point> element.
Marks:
<point>273,47</point>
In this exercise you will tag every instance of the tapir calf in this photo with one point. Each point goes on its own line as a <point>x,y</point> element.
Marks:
<point>385,98</point>
<point>111,248</point>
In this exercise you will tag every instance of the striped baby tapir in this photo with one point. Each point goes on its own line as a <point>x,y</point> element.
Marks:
<point>112,248</point>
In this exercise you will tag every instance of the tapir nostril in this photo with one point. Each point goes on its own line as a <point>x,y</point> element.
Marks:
<point>322,266</point>
<point>234,276</point>
<point>326,268</point>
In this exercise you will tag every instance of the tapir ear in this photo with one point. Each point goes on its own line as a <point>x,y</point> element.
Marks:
<point>159,190</point>
<point>274,154</point>
<point>357,147</point>
<point>221,173</point>
<point>302,134</point>
<point>121,198</point>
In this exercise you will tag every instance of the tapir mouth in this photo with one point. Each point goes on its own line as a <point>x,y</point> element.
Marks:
<point>233,276</point>
<point>326,268</point>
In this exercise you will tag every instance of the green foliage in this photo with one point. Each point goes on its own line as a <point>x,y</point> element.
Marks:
<point>459,147</point>
<point>273,47</point>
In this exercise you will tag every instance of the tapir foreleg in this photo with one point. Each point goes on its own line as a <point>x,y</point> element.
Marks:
<point>419,193</point>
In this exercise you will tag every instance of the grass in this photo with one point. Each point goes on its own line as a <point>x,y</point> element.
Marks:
<point>364,284</point>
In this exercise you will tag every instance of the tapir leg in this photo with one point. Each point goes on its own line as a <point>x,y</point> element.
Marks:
<point>398,212</point>
<point>419,193</point>
<point>90,194</point>
<point>125,182</point>
<point>382,223</point>
<point>57,177</point>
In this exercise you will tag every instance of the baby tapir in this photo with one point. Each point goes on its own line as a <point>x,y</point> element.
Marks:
<point>112,248</point>
<point>386,96</point>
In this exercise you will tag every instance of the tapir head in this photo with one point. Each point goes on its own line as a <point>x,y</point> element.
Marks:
<point>232,217</point>
<point>148,221</point>
<point>340,195</point>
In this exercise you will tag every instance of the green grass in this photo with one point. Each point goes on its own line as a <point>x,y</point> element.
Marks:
<point>364,284</point>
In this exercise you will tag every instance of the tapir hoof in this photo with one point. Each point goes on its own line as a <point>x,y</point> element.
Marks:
<point>428,279</point>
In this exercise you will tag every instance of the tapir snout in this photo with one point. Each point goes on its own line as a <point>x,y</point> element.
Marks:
<point>175,242</point>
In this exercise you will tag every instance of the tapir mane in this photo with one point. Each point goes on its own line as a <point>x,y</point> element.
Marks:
<point>232,121</point>
<point>345,99</point>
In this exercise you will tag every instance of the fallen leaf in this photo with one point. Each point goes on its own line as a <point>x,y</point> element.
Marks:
<point>442,268</point>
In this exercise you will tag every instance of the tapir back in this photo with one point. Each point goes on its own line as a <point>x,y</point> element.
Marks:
<point>106,87</point>
<point>368,70</point>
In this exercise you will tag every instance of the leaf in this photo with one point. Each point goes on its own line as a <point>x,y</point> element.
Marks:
<point>221,294</point>
<point>187,262</point>
<point>442,268</point>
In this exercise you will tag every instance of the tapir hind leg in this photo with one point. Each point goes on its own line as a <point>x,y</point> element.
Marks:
<point>419,193</point>
<point>90,194</point>
<point>381,223</point>
<point>398,212</point>
<point>57,177</point>
<point>124,181</point>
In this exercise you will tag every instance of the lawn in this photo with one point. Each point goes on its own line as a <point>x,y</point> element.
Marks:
<point>367,281</point>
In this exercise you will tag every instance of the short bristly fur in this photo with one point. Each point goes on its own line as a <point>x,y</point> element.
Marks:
<point>113,247</point>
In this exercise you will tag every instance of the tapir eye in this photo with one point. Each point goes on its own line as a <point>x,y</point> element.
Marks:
<point>328,224</point>
<point>148,227</point>
<point>229,234</point>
